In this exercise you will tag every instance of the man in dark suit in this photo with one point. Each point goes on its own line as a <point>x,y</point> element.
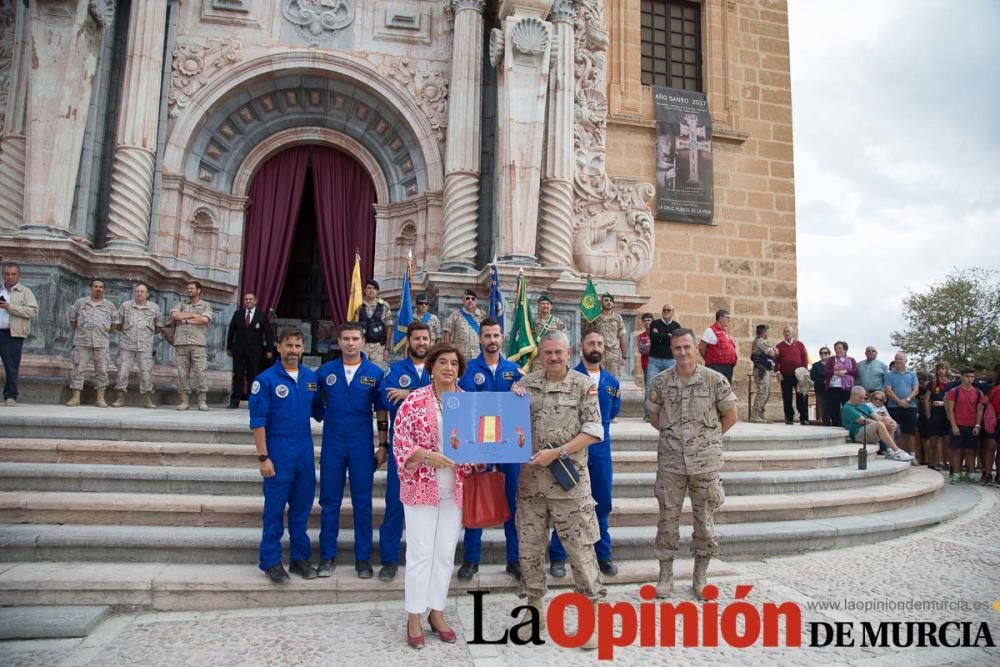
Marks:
<point>248,339</point>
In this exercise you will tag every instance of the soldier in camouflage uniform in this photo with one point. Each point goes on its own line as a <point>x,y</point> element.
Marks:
<point>192,316</point>
<point>761,354</point>
<point>566,413</point>
<point>139,321</point>
<point>375,318</point>
<point>692,407</point>
<point>91,318</point>
<point>545,323</point>
<point>424,315</point>
<point>459,329</point>
<point>611,326</point>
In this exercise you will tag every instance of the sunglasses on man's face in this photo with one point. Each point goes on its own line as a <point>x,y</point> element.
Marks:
<point>470,298</point>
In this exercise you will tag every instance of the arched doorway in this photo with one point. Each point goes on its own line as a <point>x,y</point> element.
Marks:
<point>310,207</point>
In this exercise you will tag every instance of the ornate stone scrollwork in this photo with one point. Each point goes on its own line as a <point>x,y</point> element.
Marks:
<point>530,36</point>
<point>474,5</point>
<point>318,18</point>
<point>428,87</point>
<point>7,27</point>
<point>496,46</point>
<point>613,237</point>
<point>194,65</point>
<point>102,11</point>
<point>563,10</point>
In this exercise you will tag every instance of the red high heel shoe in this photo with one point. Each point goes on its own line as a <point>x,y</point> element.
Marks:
<point>415,641</point>
<point>447,636</point>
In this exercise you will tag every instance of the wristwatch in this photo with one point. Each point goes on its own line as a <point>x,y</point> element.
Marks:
<point>563,454</point>
<point>262,457</point>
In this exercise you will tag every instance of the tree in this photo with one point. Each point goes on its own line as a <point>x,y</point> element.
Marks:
<point>956,321</point>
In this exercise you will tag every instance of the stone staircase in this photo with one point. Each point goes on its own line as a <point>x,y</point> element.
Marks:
<point>107,507</point>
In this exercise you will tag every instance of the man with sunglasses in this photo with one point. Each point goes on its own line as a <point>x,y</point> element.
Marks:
<point>425,315</point>
<point>462,327</point>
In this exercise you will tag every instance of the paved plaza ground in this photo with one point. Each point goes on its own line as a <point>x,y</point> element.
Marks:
<point>956,563</point>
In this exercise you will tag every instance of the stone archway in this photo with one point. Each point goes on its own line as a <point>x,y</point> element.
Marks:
<point>235,122</point>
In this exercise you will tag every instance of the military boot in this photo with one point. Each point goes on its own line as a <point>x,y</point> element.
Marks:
<point>202,401</point>
<point>101,403</point>
<point>183,405</point>
<point>700,576</point>
<point>147,401</point>
<point>539,605</point>
<point>120,401</point>
<point>74,399</point>
<point>665,584</point>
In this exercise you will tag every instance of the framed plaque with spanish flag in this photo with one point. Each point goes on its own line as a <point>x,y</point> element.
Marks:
<point>486,427</point>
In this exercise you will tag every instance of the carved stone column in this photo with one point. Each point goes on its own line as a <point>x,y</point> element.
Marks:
<point>522,87</point>
<point>555,224</point>
<point>461,186</point>
<point>13,92</point>
<point>65,38</point>
<point>135,149</point>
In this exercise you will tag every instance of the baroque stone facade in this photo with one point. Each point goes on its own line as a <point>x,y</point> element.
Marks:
<point>567,132</point>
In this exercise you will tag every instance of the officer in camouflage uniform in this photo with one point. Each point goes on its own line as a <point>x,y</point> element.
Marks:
<point>461,329</point>
<point>545,322</point>
<point>566,413</point>
<point>375,317</point>
<point>91,318</point>
<point>192,316</point>
<point>611,326</point>
<point>139,320</point>
<point>692,407</point>
<point>762,355</point>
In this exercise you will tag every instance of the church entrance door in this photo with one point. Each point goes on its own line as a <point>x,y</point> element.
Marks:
<point>310,209</point>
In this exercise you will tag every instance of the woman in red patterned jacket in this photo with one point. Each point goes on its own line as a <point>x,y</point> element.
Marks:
<point>430,488</point>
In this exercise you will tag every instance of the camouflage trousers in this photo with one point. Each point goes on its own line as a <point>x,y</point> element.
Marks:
<point>576,524</point>
<point>191,364</point>
<point>707,496</point>
<point>612,362</point>
<point>762,382</point>
<point>82,358</point>
<point>129,360</point>
<point>376,354</point>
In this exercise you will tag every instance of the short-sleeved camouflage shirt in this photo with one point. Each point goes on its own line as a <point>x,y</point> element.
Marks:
<point>559,412</point>
<point>690,428</point>
<point>93,322</point>
<point>189,334</point>
<point>138,325</point>
<point>462,335</point>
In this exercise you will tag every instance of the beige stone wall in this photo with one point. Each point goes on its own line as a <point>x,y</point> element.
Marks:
<point>746,260</point>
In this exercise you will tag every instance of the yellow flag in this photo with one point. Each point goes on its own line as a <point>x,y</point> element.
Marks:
<point>357,294</point>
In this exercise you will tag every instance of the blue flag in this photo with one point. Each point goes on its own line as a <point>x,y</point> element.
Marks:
<point>496,298</point>
<point>405,313</point>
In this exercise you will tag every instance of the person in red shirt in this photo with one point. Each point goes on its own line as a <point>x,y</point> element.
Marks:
<point>642,342</point>
<point>791,355</point>
<point>717,348</point>
<point>990,426</point>
<point>964,406</point>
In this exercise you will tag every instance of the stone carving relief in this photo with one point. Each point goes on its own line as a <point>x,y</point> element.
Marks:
<point>318,18</point>
<point>428,87</point>
<point>102,11</point>
<point>614,233</point>
<point>194,65</point>
<point>496,46</point>
<point>7,29</point>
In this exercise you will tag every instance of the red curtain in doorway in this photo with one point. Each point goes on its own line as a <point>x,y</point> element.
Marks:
<point>275,196</point>
<point>345,220</point>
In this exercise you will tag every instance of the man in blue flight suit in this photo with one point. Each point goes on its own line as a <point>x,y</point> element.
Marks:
<point>282,399</point>
<point>403,377</point>
<point>609,396</point>
<point>350,386</point>
<point>491,372</point>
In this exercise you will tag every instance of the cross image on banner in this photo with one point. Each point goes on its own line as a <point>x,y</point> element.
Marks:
<point>486,427</point>
<point>683,156</point>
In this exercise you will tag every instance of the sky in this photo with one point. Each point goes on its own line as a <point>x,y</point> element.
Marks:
<point>896,120</point>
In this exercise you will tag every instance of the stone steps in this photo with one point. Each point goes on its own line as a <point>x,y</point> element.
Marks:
<point>246,481</point>
<point>235,545</point>
<point>58,622</point>
<point>216,426</point>
<point>915,485</point>
<point>198,587</point>
<point>234,456</point>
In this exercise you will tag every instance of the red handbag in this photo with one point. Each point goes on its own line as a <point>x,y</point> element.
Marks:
<point>484,502</point>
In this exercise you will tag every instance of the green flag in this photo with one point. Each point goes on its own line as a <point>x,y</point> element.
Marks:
<point>521,346</point>
<point>590,305</point>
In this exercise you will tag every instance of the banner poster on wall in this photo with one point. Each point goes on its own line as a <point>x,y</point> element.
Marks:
<point>683,156</point>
